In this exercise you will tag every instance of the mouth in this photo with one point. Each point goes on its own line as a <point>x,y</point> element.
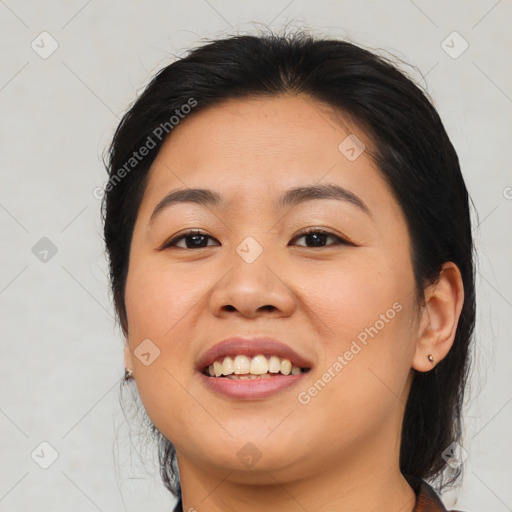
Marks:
<point>254,368</point>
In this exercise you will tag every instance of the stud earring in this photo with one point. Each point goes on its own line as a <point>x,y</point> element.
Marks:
<point>128,374</point>
<point>430,357</point>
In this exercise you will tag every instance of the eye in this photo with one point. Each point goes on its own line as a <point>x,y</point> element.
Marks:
<point>196,237</point>
<point>317,237</point>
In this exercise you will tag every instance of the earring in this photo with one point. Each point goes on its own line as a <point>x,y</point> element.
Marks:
<point>128,375</point>
<point>430,357</point>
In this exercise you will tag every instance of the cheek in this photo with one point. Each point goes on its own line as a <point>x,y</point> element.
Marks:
<point>158,297</point>
<point>160,305</point>
<point>367,343</point>
<point>352,296</point>
<point>362,384</point>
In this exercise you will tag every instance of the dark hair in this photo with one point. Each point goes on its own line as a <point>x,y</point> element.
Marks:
<point>411,149</point>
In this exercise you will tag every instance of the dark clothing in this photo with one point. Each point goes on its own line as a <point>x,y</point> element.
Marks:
<point>426,498</point>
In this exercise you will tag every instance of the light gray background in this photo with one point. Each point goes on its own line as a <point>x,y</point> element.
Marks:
<point>61,356</point>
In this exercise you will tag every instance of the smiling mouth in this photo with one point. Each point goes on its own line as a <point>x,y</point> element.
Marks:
<point>241,367</point>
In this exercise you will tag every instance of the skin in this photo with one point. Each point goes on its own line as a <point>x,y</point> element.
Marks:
<point>339,452</point>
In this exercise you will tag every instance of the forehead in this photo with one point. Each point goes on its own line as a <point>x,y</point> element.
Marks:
<point>277,142</point>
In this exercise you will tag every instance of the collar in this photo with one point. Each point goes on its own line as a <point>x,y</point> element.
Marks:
<point>426,498</point>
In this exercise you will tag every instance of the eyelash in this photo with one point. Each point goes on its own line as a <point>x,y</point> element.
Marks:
<point>305,232</point>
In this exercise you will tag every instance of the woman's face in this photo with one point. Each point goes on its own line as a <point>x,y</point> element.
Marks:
<point>343,301</point>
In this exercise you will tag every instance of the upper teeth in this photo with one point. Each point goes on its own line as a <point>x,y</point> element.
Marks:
<point>257,365</point>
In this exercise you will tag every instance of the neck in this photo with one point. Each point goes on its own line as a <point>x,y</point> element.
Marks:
<point>364,489</point>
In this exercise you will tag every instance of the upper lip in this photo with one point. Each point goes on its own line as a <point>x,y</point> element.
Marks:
<point>251,347</point>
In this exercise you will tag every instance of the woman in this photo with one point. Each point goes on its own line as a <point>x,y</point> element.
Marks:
<point>292,266</point>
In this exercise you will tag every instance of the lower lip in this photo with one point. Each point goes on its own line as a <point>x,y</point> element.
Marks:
<point>251,389</point>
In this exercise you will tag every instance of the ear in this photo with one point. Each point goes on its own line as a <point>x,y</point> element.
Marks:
<point>439,318</point>
<point>128,361</point>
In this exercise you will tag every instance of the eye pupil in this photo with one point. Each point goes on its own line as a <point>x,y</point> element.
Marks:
<point>318,238</point>
<point>198,239</point>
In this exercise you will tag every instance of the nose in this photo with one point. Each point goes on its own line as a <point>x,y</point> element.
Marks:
<point>251,290</point>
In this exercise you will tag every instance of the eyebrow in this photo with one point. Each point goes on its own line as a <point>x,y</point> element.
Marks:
<point>290,198</point>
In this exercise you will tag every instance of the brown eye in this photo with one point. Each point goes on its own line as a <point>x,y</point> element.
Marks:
<point>192,240</point>
<point>319,237</point>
